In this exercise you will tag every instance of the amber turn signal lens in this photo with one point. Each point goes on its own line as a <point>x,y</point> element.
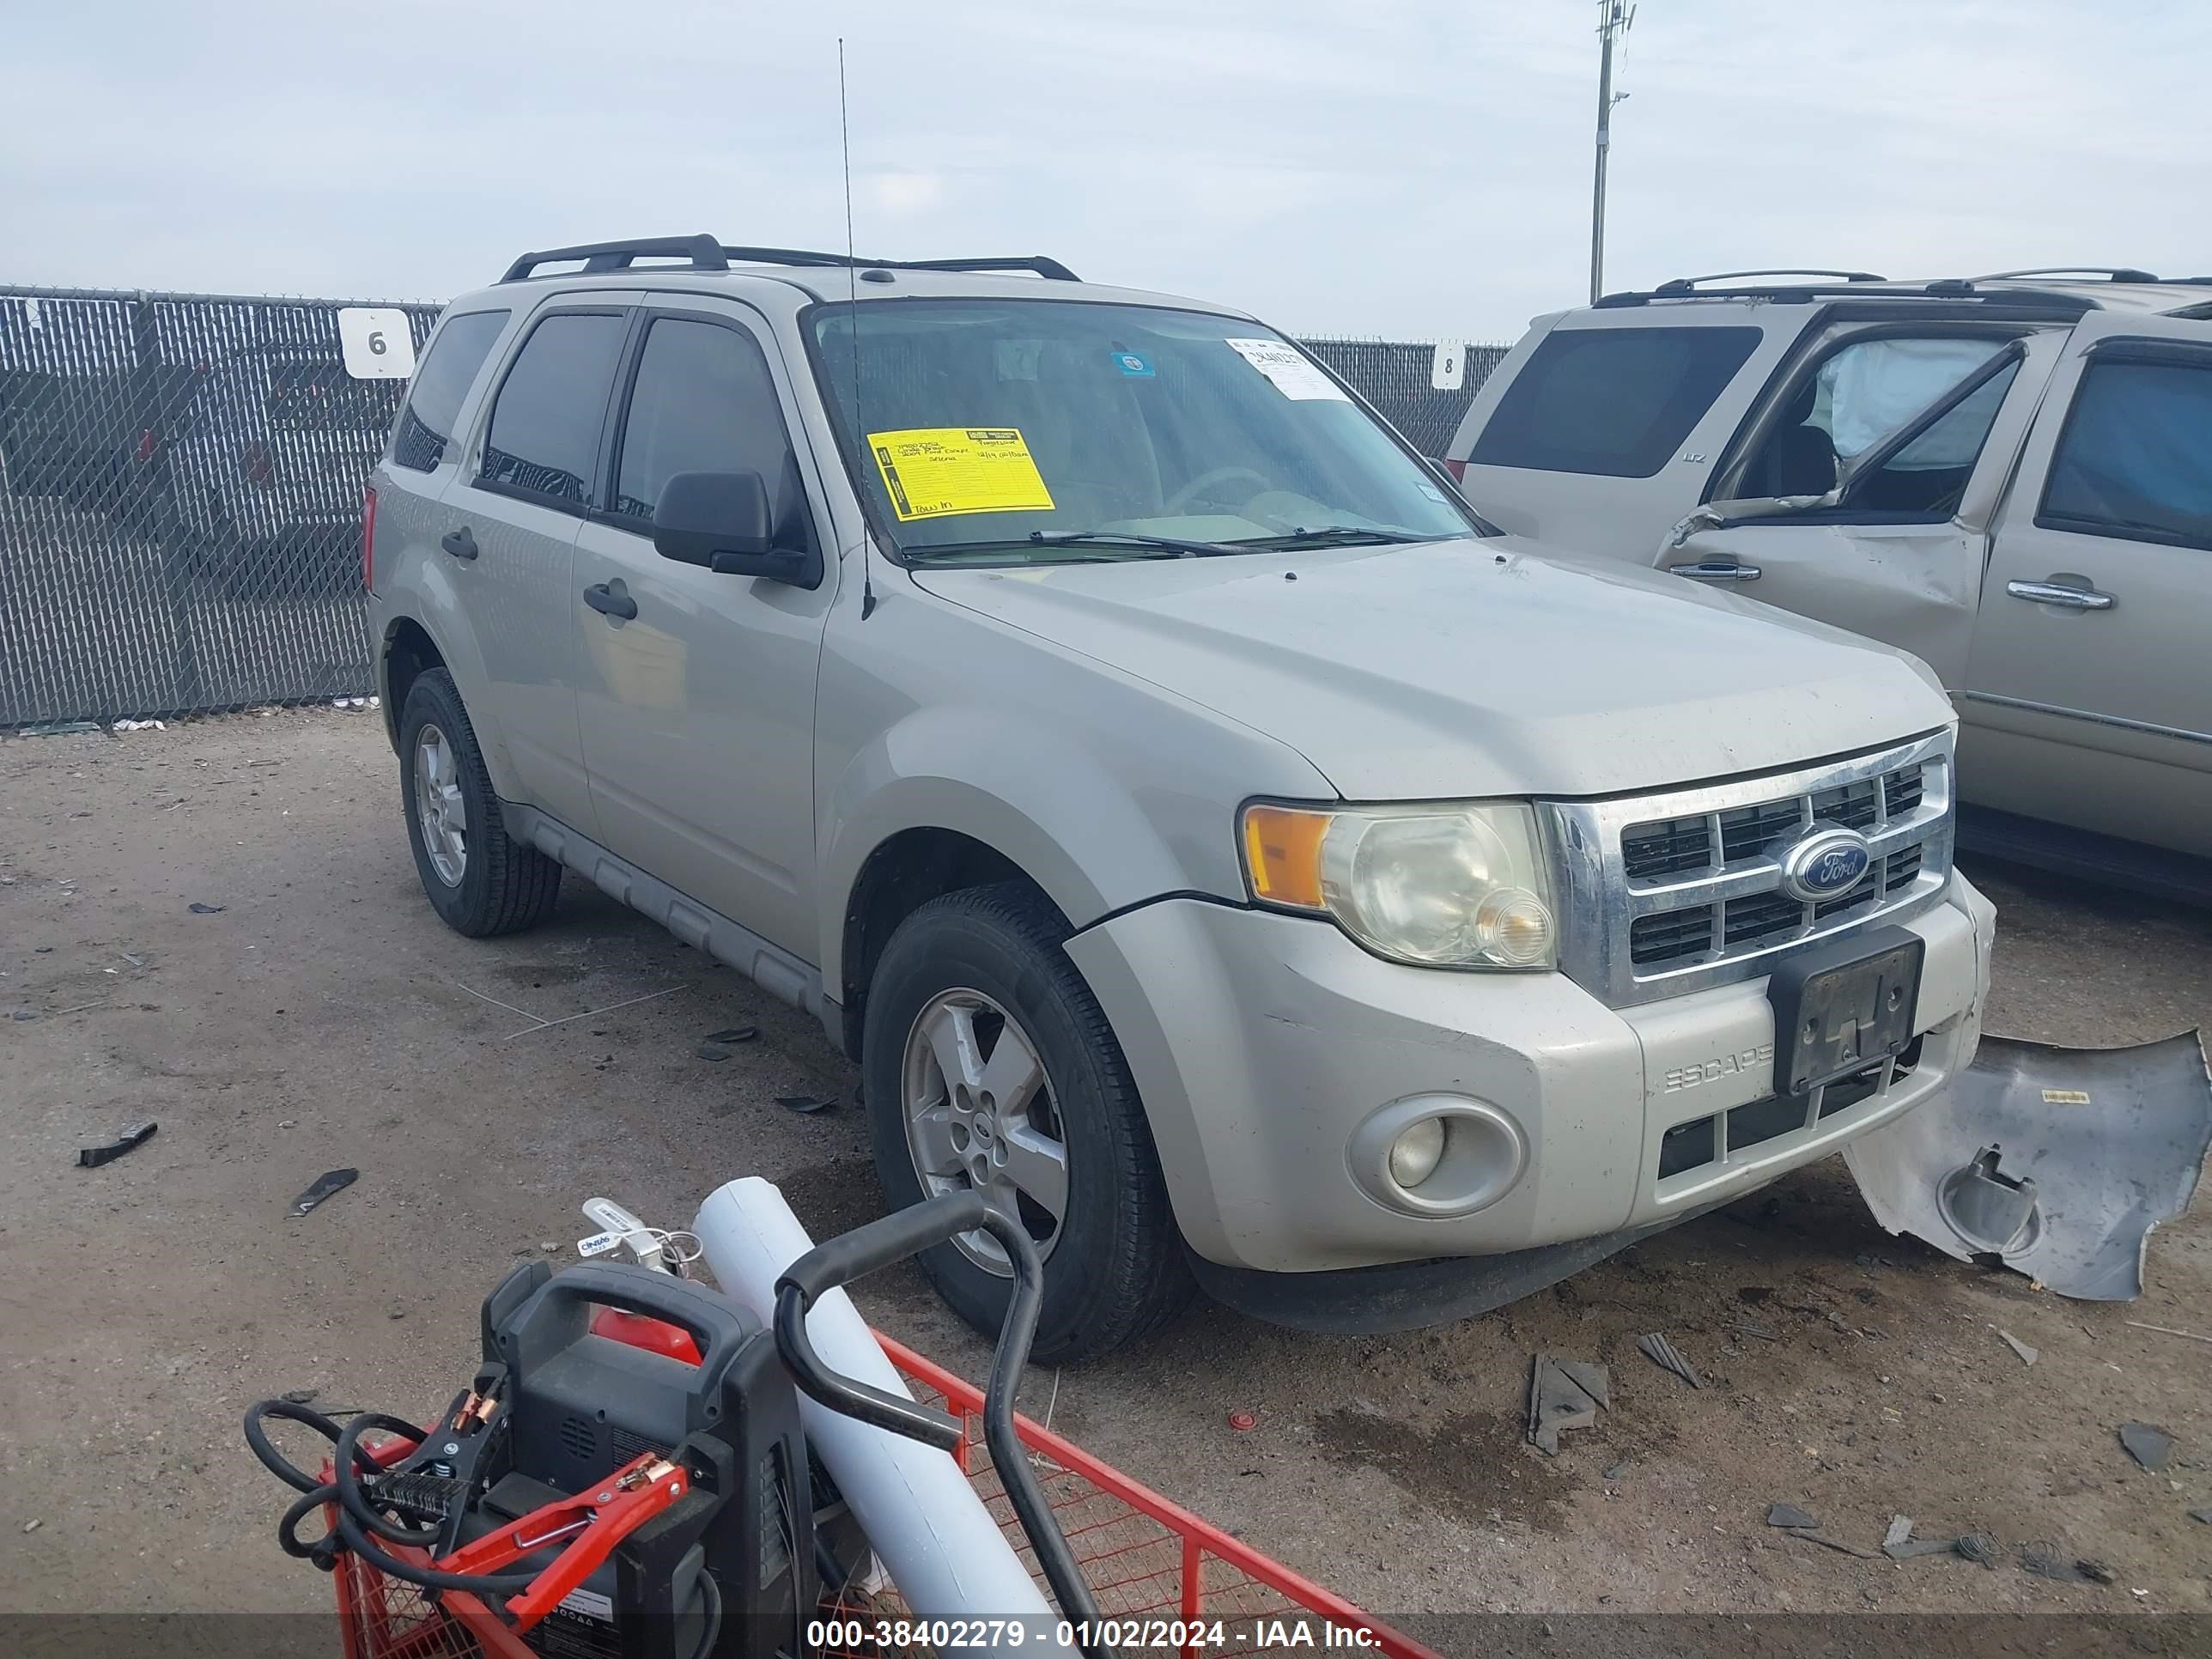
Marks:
<point>1282,854</point>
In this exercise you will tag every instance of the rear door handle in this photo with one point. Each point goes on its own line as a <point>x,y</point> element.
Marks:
<point>1716,570</point>
<point>2061,594</point>
<point>460,542</point>
<point>608,602</point>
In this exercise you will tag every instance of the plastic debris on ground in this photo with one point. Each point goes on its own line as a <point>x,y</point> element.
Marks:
<point>1563,1393</point>
<point>327,1185</point>
<point>199,909</point>
<point>2028,1355</point>
<point>733,1034</point>
<point>1789,1515</point>
<point>2148,1444</point>
<point>1664,1354</point>
<point>138,726</point>
<point>806,1104</point>
<point>91,1158</point>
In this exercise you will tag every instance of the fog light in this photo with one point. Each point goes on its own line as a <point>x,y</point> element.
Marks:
<point>1415,1153</point>
<point>1437,1156</point>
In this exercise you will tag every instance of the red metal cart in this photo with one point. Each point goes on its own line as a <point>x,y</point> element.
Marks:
<point>1146,1560</point>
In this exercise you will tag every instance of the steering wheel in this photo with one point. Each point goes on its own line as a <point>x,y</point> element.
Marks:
<point>1183,497</point>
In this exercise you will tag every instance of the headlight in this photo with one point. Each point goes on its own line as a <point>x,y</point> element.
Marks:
<point>1446,886</point>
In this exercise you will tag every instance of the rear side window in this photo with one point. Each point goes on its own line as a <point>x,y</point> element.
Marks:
<point>1611,401</point>
<point>704,401</point>
<point>442,382</point>
<point>543,440</point>
<point>2136,459</point>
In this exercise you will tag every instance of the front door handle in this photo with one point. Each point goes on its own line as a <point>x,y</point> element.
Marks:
<point>608,602</point>
<point>1716,570</point>
<point>460,542</point>
<point>2061,594</point>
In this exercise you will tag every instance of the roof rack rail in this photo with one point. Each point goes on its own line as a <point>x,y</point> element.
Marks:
<point>1684,285</point>
<point>706,253</point>
<point>2110,273</point>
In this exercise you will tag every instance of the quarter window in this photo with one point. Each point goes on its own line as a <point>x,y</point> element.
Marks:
<point>2136,458</point>
<point>1614,402</point>
<point>704,401</point>
<point>442,384</point>
<point>551,409</point>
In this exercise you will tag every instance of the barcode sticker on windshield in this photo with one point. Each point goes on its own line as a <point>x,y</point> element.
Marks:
<point>935,472</point>
<point>1292,373</point>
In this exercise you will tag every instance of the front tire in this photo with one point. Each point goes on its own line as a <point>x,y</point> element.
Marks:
<point>987,1063</point>
<point>478,878</point>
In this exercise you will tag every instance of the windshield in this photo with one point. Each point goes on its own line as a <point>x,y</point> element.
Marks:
<point>1051,431</point>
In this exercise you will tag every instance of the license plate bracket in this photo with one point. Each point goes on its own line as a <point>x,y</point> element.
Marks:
<point>1841,1007</point>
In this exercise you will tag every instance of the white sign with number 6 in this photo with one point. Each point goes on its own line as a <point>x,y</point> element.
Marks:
<point>377,343</point>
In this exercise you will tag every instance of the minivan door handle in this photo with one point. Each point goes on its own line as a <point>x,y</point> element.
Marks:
<point>1716,570</point>
<point>2061,594</point>
<point>460,542</point>
<point>608,602</point>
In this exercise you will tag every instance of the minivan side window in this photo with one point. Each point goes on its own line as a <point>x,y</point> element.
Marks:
<point>2135,458</point>
<point>1613,402</point>
<point>442,383</point>
<point>546,421</point>
<point>703,400</point>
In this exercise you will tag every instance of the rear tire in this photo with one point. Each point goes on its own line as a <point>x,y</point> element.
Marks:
<point>1113,1266</point>
<point>478,878</point>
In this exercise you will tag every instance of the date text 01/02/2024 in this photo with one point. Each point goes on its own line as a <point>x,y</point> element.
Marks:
<point>1264,1635</point>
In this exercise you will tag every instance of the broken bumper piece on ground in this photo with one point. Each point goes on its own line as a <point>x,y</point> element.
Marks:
<point>2057,1162</point>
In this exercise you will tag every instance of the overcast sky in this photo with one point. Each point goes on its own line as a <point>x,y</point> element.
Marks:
<point>1410,170</point>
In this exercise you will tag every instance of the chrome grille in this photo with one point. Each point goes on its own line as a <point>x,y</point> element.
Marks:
<point>1668,893</point>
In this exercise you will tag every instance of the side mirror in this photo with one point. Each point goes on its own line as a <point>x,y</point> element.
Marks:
<point>722,521</point>
<point>1721,515</point>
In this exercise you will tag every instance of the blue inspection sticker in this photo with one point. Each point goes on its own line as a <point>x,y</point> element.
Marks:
<point>1135,366</point>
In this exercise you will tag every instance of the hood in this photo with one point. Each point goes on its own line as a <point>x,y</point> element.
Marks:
<point>1475,668</point>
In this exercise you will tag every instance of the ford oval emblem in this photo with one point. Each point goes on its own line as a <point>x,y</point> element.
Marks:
<point>1830,860</point>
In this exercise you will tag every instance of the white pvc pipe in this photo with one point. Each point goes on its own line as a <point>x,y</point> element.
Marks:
<point>937,1541</point>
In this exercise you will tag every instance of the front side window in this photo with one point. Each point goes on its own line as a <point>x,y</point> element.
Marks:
<point>1861,393</point>
<point>704,401</point>
<point>990,431</point>
<point>2135,459</point>
<point>442,380</point>
<point>546,425</point>
<point>1612,402</point>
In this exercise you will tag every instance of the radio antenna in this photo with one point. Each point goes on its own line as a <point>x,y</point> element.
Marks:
<point>853,298</point>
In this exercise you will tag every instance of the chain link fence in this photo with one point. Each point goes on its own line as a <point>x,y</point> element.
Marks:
<point>1394,375</point>
<point>180,481</point>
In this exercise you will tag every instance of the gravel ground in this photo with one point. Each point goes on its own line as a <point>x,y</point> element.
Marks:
<point>322,1016</point>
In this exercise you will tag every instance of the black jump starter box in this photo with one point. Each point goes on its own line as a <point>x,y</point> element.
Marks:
<point>580,1406</point>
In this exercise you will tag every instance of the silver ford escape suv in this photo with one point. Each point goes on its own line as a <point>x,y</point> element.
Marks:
<point>1214,842</point>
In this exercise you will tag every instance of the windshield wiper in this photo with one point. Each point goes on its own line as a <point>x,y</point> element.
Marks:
<point>1169,546</point>
<point>1138,547</point>
<point>1337,535</point>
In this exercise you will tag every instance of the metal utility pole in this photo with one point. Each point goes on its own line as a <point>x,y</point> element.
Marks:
<point>1614,19</point>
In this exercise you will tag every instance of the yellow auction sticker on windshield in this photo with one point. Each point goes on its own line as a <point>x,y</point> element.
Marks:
<point>934,471</point>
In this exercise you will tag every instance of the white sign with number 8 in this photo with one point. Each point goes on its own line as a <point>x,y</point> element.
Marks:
<point>377,343</point>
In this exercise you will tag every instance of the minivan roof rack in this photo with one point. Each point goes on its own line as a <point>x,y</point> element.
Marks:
<point>1852,287</point>
<point>1684,285</point>
<point>2110,273</point>
<point>705,253</point>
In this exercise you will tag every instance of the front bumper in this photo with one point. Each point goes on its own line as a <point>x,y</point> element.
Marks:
<point>1262,1041</point>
